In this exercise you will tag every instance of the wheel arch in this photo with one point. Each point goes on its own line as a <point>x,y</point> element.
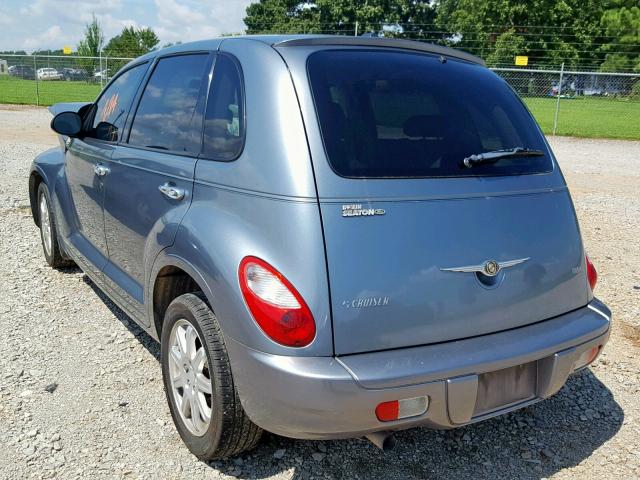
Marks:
<point>44,168</point>
<point>171,277</point>
<point>35,179</point>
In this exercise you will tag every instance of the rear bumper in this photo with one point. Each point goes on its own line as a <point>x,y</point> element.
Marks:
<point>327,397</point>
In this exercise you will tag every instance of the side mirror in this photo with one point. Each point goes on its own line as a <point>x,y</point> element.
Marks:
<point>106,131</point>
<point>67,123</point>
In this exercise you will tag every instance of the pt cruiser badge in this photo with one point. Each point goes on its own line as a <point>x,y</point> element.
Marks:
<point>356,210</point>
<point>366,302</point>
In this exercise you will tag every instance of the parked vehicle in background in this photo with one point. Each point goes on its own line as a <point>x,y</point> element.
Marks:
<point>48,73</point>
<point>76,74</point>
<point>101,75</point>
<point>217,205</point>
<point>24,72</point>
<point>592,92</point>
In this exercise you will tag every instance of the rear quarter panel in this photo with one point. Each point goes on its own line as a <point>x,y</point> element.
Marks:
<point>222,227</point>
<point>262,204</point>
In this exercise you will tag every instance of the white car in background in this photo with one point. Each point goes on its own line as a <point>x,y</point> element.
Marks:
<point>102,75</point>
<point>48,74</point>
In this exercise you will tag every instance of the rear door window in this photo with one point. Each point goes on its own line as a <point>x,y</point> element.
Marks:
<point>224,126</point>
<point>395,114</point>
<point>169,115</point>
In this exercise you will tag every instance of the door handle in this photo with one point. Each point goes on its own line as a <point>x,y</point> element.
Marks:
<point>101,170</point>
<point>171,191</point>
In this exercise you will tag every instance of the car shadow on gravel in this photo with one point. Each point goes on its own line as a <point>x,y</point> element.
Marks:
<point>534,442</point>
<point>143,337</point>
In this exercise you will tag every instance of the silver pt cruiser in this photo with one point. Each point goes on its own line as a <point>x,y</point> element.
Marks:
<point>330,236</point>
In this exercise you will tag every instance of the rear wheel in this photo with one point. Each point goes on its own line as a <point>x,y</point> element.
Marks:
<point>49,232</point>
<point>197,377</point>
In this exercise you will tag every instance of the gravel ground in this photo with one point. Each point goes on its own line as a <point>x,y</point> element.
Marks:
<point>81,392</point>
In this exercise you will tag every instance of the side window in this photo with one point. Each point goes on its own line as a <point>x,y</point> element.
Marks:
<point>169,116</point>
<point>113,105</point>
<point>224,123</point>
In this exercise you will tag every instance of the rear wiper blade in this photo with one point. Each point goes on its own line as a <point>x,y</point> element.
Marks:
<point>494,156</point>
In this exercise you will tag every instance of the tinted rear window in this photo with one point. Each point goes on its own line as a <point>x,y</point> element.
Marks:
<point>395,114</point>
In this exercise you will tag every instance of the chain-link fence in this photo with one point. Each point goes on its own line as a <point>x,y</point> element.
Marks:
<point>579,103</point>
<point>564,102</point>
<point>45,80</point>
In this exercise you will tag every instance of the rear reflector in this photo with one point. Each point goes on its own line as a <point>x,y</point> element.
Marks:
<point>587,357</point>
<point>387,411</point>
<point>592,274</point>
<point>399,409</point>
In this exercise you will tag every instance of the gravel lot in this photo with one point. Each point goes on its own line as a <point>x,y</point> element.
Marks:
<point>81,392</point>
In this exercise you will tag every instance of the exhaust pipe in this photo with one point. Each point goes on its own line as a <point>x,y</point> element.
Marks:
<point>385,441</point>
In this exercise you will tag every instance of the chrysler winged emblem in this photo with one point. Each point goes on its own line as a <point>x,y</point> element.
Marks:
<point>490,268</point>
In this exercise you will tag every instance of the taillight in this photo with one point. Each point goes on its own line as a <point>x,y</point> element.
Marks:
<point>275,304</point>
<point>592,275</point>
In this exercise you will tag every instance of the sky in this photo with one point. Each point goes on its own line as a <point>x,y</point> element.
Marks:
<point>51,24</point>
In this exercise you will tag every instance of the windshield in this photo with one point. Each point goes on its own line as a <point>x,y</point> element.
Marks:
<point>393,114</point>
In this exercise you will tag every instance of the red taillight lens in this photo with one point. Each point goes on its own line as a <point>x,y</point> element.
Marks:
<point>592,275</point>
<point>275,304</point>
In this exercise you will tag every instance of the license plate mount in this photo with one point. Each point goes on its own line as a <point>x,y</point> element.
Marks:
<point>503,388</point>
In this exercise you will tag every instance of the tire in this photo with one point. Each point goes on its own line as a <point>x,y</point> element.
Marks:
<point>190,326</point>
<point>49,231</point>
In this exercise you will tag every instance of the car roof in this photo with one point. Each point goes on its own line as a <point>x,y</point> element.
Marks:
<point>285,41</point>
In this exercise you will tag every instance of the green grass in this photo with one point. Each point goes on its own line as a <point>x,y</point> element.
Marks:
<point>591,117</point>
<point>581,117</point>
<point>15,90</point>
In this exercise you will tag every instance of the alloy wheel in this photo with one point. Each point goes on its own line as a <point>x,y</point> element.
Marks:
<point>190,377</point>
<point>45,225</point>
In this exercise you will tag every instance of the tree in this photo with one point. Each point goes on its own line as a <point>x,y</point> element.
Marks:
<point>91,46</point>
<point>403,18</point>
<point>507,46</point>
<point>282,16</point>
<point>622,27</point>
<point>132,42</point>
<point>548,31</point>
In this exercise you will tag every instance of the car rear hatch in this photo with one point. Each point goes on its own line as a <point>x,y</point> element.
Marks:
<point>421,249</point>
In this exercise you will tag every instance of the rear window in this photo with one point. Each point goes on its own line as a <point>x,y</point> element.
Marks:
<point>395,114</point>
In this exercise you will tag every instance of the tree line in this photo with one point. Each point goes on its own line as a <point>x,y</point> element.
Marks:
<point>603,34</point>
<point>590,34</point>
